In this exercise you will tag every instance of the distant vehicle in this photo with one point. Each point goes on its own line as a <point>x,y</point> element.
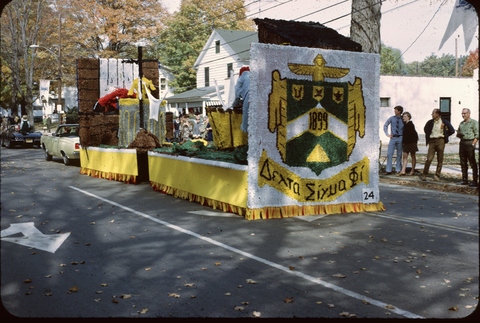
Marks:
<point>63,143</point>
<point>13,137</point>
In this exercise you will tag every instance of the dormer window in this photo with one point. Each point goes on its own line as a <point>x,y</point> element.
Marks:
<point>217,47</point>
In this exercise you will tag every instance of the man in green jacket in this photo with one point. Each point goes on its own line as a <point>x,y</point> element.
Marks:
<point>468,134</point>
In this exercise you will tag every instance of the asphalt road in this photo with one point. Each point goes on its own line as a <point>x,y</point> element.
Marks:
<point>117,250</point>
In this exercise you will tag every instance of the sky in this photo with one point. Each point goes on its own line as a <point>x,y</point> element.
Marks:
<point>415,27</point>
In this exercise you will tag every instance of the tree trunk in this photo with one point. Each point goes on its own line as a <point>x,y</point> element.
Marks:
<point>365,24</point>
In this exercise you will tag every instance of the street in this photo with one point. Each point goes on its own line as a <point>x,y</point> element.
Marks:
<point>107,249</point>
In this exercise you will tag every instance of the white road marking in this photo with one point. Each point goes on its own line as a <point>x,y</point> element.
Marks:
<point>310,218</point>
<point>315,280</point>
<point>33,238</point>
<point>213,213</point>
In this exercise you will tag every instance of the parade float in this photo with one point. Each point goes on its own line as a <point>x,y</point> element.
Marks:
<point>311,146</point>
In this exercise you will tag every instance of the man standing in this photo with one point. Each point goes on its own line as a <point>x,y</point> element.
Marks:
<point>396,132</point>
<point>437,131</point>
<point>241,92</point>
<point>468,134</point>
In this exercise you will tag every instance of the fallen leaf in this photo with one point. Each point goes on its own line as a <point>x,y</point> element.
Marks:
<point>339,276</point>
<point>217,264</point>
<point>256,314</point>
<point>239,308</point>
<point>98,292</point>
<point>347,314</point>
<point>453,308</point>
<point>189,284</point>
<point>291,268</point>
<point>63,265</point>
<point>114,300</point>
<point>97,300</point>
<point>390,307</point>
<point>174,295</point>
<point>143,311</point>
<point>288,300</point>
<point>125,296</point>
<point>251,281</point>
<point>73,289</point>
<point>112,221</point>
<point>148,268</point>
<point>104,284</point>
<point>331,305</point>
<point>27,281</point>
<point>227,294</point>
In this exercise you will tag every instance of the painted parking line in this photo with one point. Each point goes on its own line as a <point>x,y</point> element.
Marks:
<point>425,224</point>
<point>312,279</point>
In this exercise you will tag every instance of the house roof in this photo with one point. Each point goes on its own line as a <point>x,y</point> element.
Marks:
<point>238,40</point>
<point>195,95</point>
<point>303,34</point>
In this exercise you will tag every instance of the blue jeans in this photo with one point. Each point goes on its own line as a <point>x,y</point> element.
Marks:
<point>395,144</point>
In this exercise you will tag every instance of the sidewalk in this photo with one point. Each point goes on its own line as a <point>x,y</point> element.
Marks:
<point>451,174</point>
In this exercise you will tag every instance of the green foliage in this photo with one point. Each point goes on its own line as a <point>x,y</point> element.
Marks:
<point>444,66</point>
<point>391,61</point>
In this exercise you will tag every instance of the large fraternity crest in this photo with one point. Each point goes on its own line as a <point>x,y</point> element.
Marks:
<point>316,122</point>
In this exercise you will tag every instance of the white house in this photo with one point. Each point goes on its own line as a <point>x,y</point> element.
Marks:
<point>224,51</point>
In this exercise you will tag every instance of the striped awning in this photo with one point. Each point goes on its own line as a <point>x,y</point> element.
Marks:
<point>213,103</point>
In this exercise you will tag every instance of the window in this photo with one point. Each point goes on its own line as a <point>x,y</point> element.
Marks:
<point>384,102</point>
<point>229,68</point>
<point>163,84</point>
<point>207,76</point>
<point>217,47</point>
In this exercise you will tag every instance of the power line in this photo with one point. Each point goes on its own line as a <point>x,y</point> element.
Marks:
<point>444,1</point>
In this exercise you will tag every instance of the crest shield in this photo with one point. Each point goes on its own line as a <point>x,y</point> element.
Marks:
<point>316,121</point>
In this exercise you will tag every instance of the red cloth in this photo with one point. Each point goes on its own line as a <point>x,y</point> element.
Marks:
<point>243,69</point>
<point>109,101</point>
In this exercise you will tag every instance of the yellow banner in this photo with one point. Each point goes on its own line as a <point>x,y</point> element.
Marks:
<point>311,189</point>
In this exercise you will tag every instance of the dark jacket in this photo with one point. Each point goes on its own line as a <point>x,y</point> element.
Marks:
<point>410,135</point>
<point>448,130</point>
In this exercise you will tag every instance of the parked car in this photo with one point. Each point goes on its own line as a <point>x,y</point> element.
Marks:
<point>63,143</point>
<point>13,137</point>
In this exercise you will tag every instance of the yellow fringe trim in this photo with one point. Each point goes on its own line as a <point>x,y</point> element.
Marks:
<point>216,205</point>
<point>129,179</point>
<point>269,212</point>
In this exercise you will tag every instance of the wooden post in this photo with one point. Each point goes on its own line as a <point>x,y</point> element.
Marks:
<point>140,75</point>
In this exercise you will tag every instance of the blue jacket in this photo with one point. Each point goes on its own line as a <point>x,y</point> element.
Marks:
<point>447,131</point>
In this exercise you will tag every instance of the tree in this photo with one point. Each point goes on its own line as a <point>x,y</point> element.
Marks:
<point>21,24</point>
<point>470,64</point>
<point>188,30</point>
<point>365,24</point>
<point>110,28</point>
<point>391,61</point>
<point>438,66</point>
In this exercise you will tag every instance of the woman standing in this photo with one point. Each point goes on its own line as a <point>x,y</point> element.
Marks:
<point>409,143</point>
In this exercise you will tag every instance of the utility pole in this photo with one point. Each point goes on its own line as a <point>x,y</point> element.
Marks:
<point>456,58</point>
<point>140,75</point>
